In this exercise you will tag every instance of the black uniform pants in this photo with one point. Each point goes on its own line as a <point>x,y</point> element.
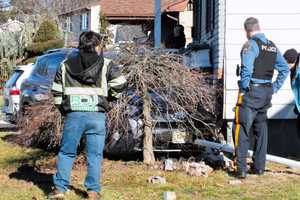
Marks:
<point>251,110</point>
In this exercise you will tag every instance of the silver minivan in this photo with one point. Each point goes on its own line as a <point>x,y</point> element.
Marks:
<point>11,91</point>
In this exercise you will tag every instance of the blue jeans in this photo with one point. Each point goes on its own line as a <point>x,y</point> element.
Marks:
<point>77,124</point>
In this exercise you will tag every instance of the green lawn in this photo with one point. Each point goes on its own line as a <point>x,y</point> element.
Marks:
<point>26,174</point>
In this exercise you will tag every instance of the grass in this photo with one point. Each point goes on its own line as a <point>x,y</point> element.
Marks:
<point>26,174</point>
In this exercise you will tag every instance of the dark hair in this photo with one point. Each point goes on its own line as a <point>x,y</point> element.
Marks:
<point>294,69</point>
<point>180,28</point>
<point>291,56</point>
<point>88,41</point>
<point>251,24</point>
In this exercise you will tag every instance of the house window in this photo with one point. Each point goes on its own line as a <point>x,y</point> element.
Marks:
<point>210,15</point>
<point>84,21</point>
<point>197,20</point>
<point>68,25</point>
<point>71,26</point>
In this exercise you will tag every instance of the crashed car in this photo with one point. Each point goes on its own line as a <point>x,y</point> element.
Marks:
<point>37,86</point>
<point>171,133</point>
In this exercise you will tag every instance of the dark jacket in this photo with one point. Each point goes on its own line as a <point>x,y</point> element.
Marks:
<point>173,42</point>
<point>86,82</point>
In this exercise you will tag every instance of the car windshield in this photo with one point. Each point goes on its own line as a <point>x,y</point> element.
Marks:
<point>13,79</point>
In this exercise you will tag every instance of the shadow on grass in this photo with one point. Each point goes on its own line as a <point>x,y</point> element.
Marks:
<point>40,179</point>
<point>30,174</point>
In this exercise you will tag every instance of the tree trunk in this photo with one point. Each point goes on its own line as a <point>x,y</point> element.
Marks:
<point>149,158</point>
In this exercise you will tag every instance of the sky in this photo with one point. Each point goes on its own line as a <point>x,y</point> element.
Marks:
<point>4,3</point>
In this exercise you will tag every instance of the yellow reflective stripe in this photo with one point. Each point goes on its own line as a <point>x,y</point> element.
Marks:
<point>237,120</point>
<point>57,87</point>
<point>57,100</point>
<point>117,81</point>
<point>116,94</point>
<point>104,85</point>
<point>103,91</point>
<point>63,74</point>
<point>83,91</point>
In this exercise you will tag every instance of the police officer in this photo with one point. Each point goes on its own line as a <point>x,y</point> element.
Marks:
<point>259,58</point>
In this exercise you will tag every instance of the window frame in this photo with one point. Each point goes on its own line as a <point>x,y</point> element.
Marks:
<point>84,21</point>
<point>210,16</point>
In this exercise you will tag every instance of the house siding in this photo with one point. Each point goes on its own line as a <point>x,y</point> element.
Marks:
<point>71,37</point>
<point>278,23</point>
<point>216,37</point>
<point>93,14</point>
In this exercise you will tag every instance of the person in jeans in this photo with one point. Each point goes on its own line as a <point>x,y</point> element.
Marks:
<point>292,58</point>
<point>83,85</point>
<point>259,58</point>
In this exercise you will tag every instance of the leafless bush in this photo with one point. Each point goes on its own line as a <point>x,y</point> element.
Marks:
<point>40,126</point>
<point>181,90</point>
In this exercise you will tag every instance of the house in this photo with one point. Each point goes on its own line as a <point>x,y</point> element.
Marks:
<point>132,13</point>
<point>219,23</point>
<point>76,20</point>
<point>142,12</point>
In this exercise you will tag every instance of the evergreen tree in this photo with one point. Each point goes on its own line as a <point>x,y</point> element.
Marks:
<point>47,37</point>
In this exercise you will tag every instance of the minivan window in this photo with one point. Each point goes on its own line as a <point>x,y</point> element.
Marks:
<point>41,67</point>
<point>53,63</point>
<point>13,79</point>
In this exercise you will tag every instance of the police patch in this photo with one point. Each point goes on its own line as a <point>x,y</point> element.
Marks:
<point>246,47</point>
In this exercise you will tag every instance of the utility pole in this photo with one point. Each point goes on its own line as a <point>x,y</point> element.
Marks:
<point>157,28</point>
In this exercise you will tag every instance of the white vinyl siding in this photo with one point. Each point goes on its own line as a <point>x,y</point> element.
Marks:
<point>279,21</point>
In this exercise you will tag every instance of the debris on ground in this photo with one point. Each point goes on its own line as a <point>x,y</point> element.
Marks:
<point>169,195</point>
<point>157,180</point>
<point>217,159</point>
<point>169,165</point>
<point>235,182</point>
<point>197,169</point>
